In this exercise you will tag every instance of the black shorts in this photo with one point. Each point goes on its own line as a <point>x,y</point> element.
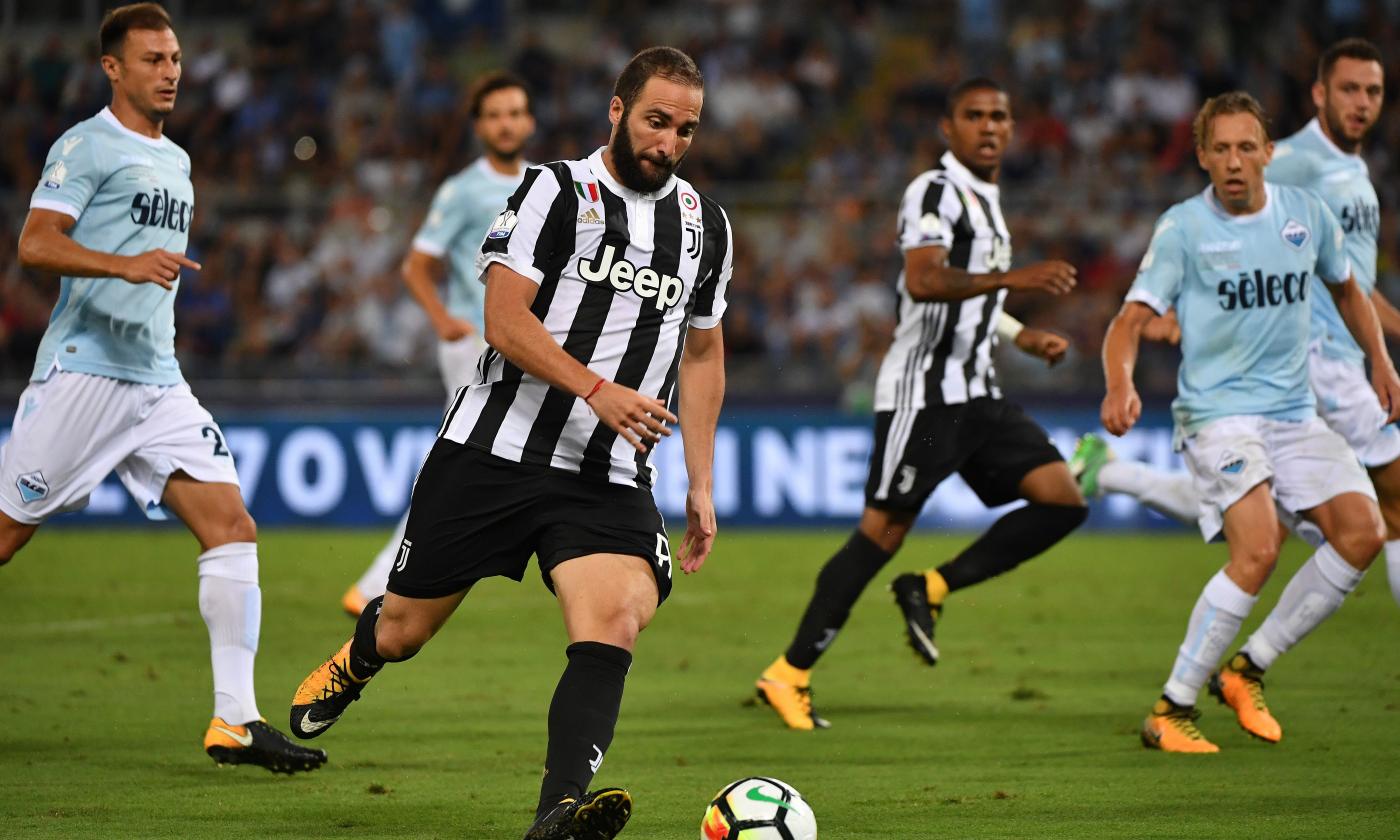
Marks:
<point>475,515</point>
<point>991,443</point>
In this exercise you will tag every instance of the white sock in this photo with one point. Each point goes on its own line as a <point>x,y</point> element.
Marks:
<point>1392,566</point>
<point>371,584</point>
<point>231,603</point>
<point>1316,590</point>
<point>1219,612</point>
<point>1169,493</point>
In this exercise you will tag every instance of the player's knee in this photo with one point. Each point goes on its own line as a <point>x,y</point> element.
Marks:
<point>1257,559</point>
<point>397,642</point>
<point>1360,545</point>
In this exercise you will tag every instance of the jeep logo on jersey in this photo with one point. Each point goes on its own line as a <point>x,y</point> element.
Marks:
<point>645,282</point>
<point>1254,291</point>
<point>158,209</point>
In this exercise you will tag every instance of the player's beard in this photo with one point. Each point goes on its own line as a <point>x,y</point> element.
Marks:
<point>629,164</point>
<point>508,153</point>
<point>1338,130</point>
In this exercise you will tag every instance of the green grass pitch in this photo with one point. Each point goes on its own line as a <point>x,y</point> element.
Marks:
<point>1027,730</point>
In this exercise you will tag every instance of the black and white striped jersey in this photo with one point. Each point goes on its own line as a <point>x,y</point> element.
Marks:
<point>622,276</point>
<point>942,352</point>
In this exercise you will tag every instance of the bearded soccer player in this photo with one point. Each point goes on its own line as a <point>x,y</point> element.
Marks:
<point>605,281</point>
<point>1325,157</point>
<point>447,244</point>
<point>1238,263</point>
<point>938,409</point>
<point>111,217</point>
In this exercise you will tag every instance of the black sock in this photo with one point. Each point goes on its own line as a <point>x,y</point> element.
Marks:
<point>839,584</point>
<point>1013,539</point>
<point>582,716</point>
<point>365,660</point>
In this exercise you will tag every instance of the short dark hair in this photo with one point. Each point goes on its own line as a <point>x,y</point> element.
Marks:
<point>667,62</point>
<point>123,19</point>
<point>492,82</point>
<point>1357,48</point>
<point>966,86</point>
<point>1234,102</point>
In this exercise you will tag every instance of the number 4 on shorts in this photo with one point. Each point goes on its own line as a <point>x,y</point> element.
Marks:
<point>663,553</point>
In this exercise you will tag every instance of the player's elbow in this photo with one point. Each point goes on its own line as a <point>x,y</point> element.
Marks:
<point>31,251</point>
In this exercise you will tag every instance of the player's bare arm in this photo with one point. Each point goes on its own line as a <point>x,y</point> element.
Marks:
<point>929,277</point>
<point>1359,314</point>
<point>44,245</point>
<point>1121,405</point>
<point>701,392</point>
<point>421,274</point>
<point>1163,328</point>
<point>1387,313</point>
<point>514,330</point>
<point>1042,344</point>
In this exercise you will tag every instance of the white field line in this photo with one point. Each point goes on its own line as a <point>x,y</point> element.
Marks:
<point>89,625</point>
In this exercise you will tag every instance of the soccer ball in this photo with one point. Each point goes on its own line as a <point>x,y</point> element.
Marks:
<point>758,808</point>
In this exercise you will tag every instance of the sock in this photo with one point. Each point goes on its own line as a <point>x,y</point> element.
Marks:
<point>371,583</point>
<point>785,672</point>
<point>935,586</point>
<point>839,584</point>
<point>582,716</point>
<point>1215,621</point>
<point>365,660</point>
<point>1016,537</point>
<point>1314,592</point>
<point>1392,567</point>
<point>1170,493</point>
<point>231,604</point>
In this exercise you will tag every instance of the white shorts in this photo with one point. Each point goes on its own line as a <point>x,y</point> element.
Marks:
<point>1348,404</point>
<point>1307,462</point>
<point>73,429</point>
<point>457,361</point>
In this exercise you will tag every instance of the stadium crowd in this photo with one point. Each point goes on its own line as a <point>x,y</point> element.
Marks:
<point>318,130</point>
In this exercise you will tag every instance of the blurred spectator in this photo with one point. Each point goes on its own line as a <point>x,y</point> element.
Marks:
<point>318,127</point>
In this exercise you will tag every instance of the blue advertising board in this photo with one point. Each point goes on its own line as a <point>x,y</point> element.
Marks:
<point>789,467</point>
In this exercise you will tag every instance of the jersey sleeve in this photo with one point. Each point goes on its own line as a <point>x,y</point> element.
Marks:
<point>1292,166</point>
<point>525,235</point>
<point>447,215</point>
<point>72,174</point>
<point>1163,269</point>
<point>1333,264</point>
<point>710,301</point>
<point>927,214</point>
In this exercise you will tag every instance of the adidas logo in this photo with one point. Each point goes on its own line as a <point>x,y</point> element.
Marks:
<point>590,217</point>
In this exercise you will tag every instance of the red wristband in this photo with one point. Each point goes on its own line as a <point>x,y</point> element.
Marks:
<point>593,390</point>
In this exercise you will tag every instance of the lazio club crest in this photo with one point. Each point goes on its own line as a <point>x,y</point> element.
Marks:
<point>1295,234</point>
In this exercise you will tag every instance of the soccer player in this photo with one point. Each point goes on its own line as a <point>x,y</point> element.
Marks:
<point>1325,157</point>
<point>448,243</point>
<point>1237,262</point>
<point>938,409</point>
<point>605,281</point>
<point>111,216</point>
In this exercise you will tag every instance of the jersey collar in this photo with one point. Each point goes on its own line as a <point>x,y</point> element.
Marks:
<point>1315,126</point>
<point>483,166</point>
<point>600,169</point>
<point>952,164</point>
<point>106,114</point>
<point>1214,204</point>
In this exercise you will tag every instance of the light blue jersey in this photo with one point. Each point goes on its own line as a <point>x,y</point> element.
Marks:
<point>1343,182</point>
<point>129,194</point>
<point>1241,287</point>
<point>462,211</point>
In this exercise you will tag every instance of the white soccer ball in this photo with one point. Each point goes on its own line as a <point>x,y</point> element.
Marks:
<point>758,808</point>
